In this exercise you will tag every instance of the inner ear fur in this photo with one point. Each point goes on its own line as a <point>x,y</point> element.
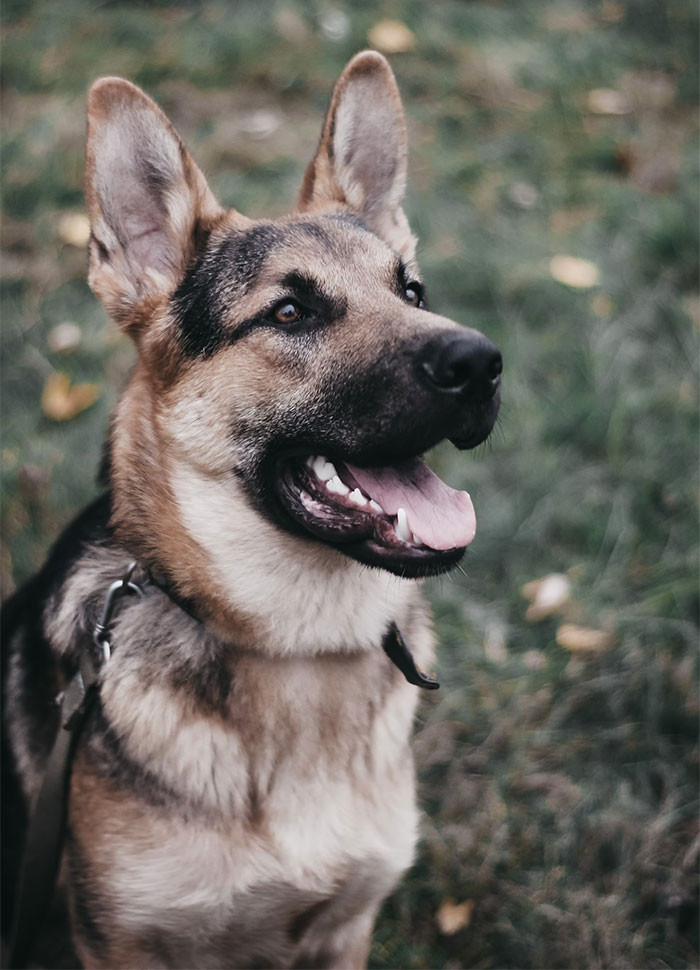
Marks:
<point>361,158</point>
<point>150,207</point>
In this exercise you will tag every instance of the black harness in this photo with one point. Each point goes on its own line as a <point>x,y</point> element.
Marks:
<point>46,830</point>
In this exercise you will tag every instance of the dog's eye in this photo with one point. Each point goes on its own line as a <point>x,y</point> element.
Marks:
<point>287,312</point>
<point>413,294</point>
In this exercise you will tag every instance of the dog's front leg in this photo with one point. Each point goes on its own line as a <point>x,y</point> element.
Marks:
<point>347,949</point>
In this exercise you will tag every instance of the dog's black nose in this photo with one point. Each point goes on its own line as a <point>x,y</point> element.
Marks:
<point>464,364</point>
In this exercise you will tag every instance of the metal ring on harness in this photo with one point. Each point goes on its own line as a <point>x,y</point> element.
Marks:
<point>121,587</point>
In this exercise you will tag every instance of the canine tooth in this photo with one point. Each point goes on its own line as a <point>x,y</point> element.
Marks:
<point>375,506</point>
<point>324,469</point>
<point>357,498</point>
<point>336,486</point>
<point>416,540</point>
<point>401,527</point>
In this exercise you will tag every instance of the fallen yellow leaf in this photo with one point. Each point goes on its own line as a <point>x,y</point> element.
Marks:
<point>611,11</point>
<point>579,273</point>
<point>61,402</point>
<point>64,338</point>
<point>602,305</point>
<point>608,101</point>
<point>534,660</point>
<point>391,37</point>
<point>582,639</point>
<point>74,229</point>
<point>452,917</point>
<point>547,595</point>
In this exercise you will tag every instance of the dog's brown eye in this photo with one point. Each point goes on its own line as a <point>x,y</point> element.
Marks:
<point>287,312</point>
<point>413,294</point>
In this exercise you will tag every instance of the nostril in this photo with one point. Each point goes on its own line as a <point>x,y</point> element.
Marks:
<point>445,375</point>
<point>495,367</point>
<point>458,373</point>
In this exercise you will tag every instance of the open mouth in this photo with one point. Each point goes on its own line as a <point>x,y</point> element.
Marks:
<point>401,517</point>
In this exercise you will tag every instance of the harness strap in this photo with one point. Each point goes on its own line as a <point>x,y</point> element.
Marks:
<point>396,650</point>
<point>44,841</point>
<point>45,833</point>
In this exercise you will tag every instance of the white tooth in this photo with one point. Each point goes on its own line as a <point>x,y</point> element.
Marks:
<point>337,487</point>
<point>401,527</point>
<point>310,461</point>
<point>325,470</point>
<point>357,498</point>
<point>416,540</point>
<point>375,506</point>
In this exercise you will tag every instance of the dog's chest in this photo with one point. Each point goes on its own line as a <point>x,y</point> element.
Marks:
<point>302,800</point>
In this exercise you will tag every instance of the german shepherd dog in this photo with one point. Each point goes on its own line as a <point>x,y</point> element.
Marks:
<point>242,794</point>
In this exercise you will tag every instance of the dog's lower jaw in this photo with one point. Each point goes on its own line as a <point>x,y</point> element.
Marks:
<point>298,597</point>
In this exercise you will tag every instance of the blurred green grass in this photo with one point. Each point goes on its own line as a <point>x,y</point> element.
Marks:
<point>559,787</point>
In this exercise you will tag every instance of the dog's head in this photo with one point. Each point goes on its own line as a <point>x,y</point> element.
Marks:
<point>296,358</point>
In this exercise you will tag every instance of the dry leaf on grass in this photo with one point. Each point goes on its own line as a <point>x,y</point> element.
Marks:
<point>611,12</point>
<point>64,338</point>
<point>534,660</point>
<point>602,305</point>
<point>61,402</point>
<point>74,229</point>
<point>391,37</point>
<point>579,273</point>
<point>452,917</point>
<point>608,101</point>
<point>550,594</point>
<point>582,639</point>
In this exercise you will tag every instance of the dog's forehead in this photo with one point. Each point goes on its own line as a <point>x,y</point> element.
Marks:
<point>329,246</point>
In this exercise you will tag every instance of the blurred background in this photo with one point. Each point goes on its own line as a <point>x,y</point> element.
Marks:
<point>553,186</point>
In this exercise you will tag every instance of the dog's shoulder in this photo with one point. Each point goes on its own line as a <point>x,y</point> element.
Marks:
<point>23,610</point>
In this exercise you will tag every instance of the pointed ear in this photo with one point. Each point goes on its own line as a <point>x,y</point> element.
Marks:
<point>361,158</point>
<point>150,206</point>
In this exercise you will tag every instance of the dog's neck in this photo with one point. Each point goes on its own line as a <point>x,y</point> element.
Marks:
<point>251,581</point>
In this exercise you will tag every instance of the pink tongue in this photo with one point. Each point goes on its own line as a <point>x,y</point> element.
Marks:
<point>440,516</point>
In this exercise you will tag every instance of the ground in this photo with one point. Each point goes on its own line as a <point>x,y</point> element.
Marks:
<point>553,185</point>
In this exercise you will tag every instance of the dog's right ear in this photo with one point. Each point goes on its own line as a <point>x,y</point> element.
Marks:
<point>150,207</point>
<point>361,158</point>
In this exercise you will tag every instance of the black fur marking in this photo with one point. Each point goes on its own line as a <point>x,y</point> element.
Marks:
<point>312,295</point>
<point>196,312</point>
<point>202,672</point>
<point>200,299</point>
<point>244,253</point>
<point>301,923</point>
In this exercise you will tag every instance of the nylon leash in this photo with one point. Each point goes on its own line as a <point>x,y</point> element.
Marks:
<point>47,823</point>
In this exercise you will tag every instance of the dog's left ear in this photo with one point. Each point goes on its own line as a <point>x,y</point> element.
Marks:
<point>361,158</point>
<point>150,206</point>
